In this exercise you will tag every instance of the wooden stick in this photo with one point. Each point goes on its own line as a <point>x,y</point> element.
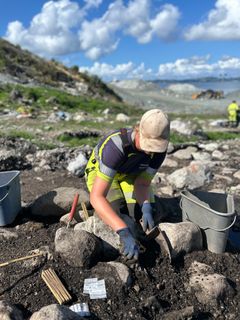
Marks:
<point>21,259</point>
<point>52,289</point>
<point>64,290</point>
<point>85,211</point>
<point>59,285</point>
<point>55,285</point>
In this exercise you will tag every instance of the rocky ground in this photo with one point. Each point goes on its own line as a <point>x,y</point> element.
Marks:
<point>175,98</point>
<point>160,288</point>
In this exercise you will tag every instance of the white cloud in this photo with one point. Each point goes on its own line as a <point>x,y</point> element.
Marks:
<point>120,71</point>
<point>222,23</point>
<point>194,67</point>
<point>199,67</point>
<point>102,36</point>
<point>50,31</point>
<point>62,27</point>
<point>93,3</point>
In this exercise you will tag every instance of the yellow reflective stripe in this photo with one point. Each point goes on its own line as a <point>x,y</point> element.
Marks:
<point>106,140</point>
<point>103,176</point>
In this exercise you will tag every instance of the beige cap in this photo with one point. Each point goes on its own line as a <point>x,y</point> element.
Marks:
<point>154,129</point>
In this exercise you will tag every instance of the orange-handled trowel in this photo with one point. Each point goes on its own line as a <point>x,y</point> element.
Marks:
<point>73,209</point>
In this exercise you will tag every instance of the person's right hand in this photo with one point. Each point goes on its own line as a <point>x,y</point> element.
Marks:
<point>129,247</point>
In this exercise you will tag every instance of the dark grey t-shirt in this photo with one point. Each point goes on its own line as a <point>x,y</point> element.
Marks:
<point>114,158</point>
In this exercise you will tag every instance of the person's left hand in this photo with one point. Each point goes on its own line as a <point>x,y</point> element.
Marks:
<point>147,218</point>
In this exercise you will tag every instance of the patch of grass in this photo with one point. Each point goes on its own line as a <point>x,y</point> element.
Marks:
<point>217,135</point>
<point>20,134</point>
<point>179,138</point>
<point>76,142</point>
<point>189,116</point>
<point>45,98</point>
<point>45,145</point>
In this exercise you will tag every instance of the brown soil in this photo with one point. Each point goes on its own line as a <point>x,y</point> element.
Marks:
<point>158,287</point>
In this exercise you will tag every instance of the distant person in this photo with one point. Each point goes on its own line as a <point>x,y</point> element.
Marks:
<point>119,174</point>
<point>233,109</point>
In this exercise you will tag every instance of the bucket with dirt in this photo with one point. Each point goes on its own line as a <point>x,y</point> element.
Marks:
<point>10,196</point>
<point>213,212</point>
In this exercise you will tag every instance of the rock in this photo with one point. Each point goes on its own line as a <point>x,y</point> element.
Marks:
<point>182,237</point>
<point>78,248</point>
<point>78,165</point>
<point>8,311</point>
<point>123,272</point>
<point>110,239</point>
<point>193,176</point>
<point>237,174</point>
<point>6,234</point>
<point>210,146</point>
<point>209,287</point>
<point>186,313</point>
<point>185,153</point>
<point>201,156</point>
<point>153,302</point>
<point>122,117</point>
<point>169,163</point>
<point>55,312</point>
<point>181,127</point>
<point>57,202</point>
<point>170,148</point>
<point>115,274</point>
<point>218,155</point>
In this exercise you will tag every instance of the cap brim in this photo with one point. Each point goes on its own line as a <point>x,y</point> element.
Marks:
<point>153,145</point>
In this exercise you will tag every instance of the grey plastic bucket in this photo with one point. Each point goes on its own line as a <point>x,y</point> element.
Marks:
<point>10,196</point>
<point>213,212</point>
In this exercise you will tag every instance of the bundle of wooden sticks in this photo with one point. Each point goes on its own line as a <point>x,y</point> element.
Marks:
<point>55,285</point>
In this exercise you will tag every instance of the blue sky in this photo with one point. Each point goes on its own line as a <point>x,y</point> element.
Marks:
<point>119,39</point>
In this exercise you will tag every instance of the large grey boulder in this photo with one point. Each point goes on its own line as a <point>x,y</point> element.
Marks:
<point>208,286</point>
<point>110,239</point>
<point>115,274</point>
<point>191,177</point>
<point>9,312</point>
<point>78,248</point>
<point>182,237</point>
<point>55,312</point>
<point>58,201</point>
<point>185,153</point>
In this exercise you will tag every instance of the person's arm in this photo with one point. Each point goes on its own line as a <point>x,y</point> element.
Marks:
<point>142,190</point>
<point>103,207</point>
<point>129,247</point>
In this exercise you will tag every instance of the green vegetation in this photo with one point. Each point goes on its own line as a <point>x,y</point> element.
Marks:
<point>216,135</point>
<point>26,66</point>
<point>76,142</point>
<point>179,138</point>
<point>43,98</point>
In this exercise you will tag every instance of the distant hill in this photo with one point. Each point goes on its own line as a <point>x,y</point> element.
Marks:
<point>23,67</point>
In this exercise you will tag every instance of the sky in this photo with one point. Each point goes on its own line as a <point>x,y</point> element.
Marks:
<point>130,39</point>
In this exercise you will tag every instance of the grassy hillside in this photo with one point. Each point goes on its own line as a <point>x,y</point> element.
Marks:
<point>29,68</point>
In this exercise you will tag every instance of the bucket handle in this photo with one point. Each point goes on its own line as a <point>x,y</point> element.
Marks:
<point>224,229</point>
<point>5,196</point>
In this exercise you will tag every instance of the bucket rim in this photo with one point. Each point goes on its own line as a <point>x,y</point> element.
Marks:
<point>227,214</point>
<point>17,174</point>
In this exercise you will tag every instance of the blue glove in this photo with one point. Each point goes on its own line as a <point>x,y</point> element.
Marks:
<point>148,222</point>
<point>129,247</point>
